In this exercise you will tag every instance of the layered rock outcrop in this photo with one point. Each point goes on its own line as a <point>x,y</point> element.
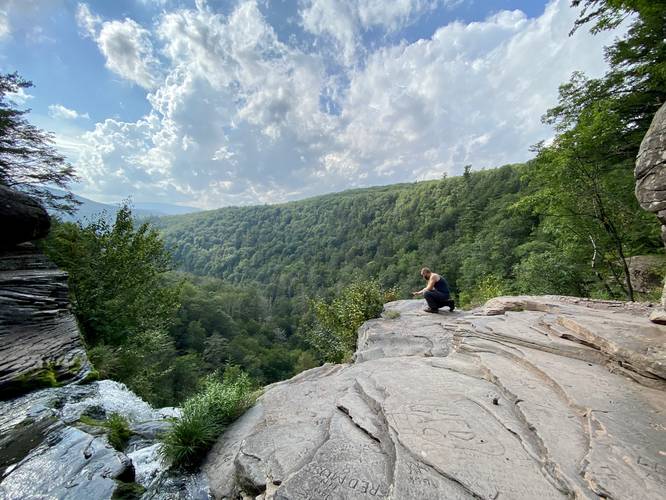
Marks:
<point>529,397</point>
<point>40,343</point>
<point>651,181</point>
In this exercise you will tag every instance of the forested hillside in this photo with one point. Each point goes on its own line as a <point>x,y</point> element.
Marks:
<point>473,229</point>
<point>464,227</point>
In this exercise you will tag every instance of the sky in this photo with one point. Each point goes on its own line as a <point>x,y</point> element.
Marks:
<point>213,103</point>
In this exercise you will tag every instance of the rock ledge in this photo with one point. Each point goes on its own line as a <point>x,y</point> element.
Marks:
<point>528,397</point>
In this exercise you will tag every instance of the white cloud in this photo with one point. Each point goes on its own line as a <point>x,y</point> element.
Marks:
<point>345,20</point>
<point>241,116</point>
<point>473,93</point>
<point>20,19</point>
<point>230,120</point>
<point>60,111</point>
<point>5,28</point>
<point>87,21</point>
<point>36,35</point>
<point>159,3</point>
<point>125,44</point>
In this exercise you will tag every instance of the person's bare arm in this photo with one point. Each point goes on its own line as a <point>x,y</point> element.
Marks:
<point>429,286</point>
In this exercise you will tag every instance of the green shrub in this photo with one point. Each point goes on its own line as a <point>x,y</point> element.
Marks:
<point>92,376</point>
<point>334,331</point>
<point>205,416</point>
<point>392,314</point>
<point>105,359</point>
<point>548,273</point>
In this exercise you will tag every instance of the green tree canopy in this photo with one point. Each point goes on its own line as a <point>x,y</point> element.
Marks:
<point>29,160</point>
<point>116,277</point>
<point>583,182</point>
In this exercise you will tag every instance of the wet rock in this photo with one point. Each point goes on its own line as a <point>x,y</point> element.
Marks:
<point>110,397</point>
<point>529,397</point>
<point>181,487</point>
<point>151,430</point>
<point>46,452</point>
<point>22,218</point>
<point>69,464</point>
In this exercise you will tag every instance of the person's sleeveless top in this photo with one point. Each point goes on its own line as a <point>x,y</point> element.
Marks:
<point>442,286</point>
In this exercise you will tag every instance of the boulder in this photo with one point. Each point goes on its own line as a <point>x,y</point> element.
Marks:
<point>646,271</point>
<point>650,169</point>
<point>22,218</point>
<point>528,397</point>
<point>650,176</point>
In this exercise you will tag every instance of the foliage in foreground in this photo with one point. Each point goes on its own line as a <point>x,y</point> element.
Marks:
<point>488,287</point>
<point>205,416</point>
<point>584,180</point>
<point>333,330</point>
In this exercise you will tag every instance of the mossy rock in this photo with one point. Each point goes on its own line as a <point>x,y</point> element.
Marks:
<point>28,382</point>
<point>92,376</point>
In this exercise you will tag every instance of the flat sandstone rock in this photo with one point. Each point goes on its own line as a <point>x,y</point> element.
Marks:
<point>528,397</point>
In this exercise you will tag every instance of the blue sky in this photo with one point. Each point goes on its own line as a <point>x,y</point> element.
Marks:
<point>212,103</point>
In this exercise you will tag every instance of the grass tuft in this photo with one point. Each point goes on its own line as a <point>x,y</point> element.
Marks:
<point>205,416</point>
<point>119,431</point>
<point>117,427</point>
<point>91,376</point>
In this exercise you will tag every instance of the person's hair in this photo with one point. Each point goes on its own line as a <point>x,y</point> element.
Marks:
<point>425,270</point>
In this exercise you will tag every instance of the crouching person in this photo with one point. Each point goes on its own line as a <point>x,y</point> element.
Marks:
<point>436,292</point>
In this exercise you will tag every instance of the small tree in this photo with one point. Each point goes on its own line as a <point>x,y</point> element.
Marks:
<point>116,277</point>
<point>29,161</point>
<point>336,322</point>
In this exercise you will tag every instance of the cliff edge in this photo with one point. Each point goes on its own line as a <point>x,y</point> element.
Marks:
<point>528,397</point>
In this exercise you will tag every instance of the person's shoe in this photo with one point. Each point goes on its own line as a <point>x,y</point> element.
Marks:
<point>452,305</point>
<point>430,310</point>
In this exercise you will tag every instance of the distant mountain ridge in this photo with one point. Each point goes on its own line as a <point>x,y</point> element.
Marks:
<point>90,210</point>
